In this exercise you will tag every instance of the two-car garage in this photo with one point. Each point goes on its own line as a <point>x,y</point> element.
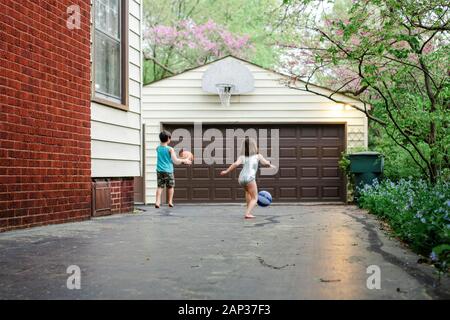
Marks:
<point>312,133</point>
<point>307,165</point>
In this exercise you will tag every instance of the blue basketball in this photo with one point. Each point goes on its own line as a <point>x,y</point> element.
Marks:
<point>264,198</point>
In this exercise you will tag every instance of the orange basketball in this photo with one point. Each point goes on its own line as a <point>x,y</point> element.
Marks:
<point>184,154</point>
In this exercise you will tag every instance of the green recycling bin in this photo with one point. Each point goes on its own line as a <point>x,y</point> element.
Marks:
<point>366,167</point>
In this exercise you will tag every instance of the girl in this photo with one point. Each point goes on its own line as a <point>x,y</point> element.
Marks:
<point>250,158</point>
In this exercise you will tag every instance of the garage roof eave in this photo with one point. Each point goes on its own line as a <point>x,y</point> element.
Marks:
<point>267,69</point>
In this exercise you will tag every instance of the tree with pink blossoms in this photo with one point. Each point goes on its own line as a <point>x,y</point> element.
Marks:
<point>186,44</point>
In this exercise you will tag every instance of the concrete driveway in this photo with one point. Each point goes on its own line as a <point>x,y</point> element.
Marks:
<point>211,252</point>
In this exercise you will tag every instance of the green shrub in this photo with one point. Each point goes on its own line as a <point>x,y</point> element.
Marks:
<point>398,164</point>
<point>419,214</point>
<point>344,165</point>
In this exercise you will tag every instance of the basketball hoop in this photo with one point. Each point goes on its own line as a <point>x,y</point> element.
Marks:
<point>224,90</point>
<point>227,77</point>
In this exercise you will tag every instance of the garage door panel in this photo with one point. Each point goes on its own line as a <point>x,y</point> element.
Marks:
<point>310,182</point>
<point>289,132</point>
<point>329,141</point>
<point>330,192</point>
<point>309,152</point>
<point>309,172</point>
<point>311,192</point>
<point>330,152</point>
<point>308,132</point>
<point>200,193</point>
<point>291,162</point>
<point>288,172</point>
<point>201,173</point>
<point>188,184</point>
<point>331,132</point>
<point>287,142</point>
<point>288,193</point>
<point>330,172</point>
<point>279,182</point>
<point>312,143</point>
<point>333,183</point>
<point>308,166</point>
<point>181,173</point>
<point>182,193</point>
<point>288,152</point>
<point>224,193</point>
<point>265,179</point>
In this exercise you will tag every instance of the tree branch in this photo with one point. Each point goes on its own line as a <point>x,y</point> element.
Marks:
<point>403,133</point>
<point>401,145</point>
<point>148,57</point>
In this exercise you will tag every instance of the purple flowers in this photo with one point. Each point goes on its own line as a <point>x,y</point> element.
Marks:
<point>433,256</point>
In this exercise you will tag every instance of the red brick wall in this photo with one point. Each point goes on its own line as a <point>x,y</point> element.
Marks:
<point>122,195</point>
<point>44,114</point>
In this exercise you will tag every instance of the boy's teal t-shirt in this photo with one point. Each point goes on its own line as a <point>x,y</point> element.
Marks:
<point>164,160</point>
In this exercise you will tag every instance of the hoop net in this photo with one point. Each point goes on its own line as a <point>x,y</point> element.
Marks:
<point>224,91</point>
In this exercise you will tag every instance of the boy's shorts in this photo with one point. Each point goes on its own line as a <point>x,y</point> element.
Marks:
<point>165,179</point>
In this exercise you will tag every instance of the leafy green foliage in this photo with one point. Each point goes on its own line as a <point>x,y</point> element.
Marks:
<point>394,56</point>
<point>417,211</point>
<point>344,165</point>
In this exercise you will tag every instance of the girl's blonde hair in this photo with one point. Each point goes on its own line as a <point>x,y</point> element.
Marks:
<point>249,147</point>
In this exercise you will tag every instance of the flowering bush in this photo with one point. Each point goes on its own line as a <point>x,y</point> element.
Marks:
<point>418,212</point>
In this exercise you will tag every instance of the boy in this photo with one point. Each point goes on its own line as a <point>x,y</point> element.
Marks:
<point>166,157</point>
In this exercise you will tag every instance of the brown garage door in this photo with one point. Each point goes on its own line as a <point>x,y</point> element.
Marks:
<point>308,167</point>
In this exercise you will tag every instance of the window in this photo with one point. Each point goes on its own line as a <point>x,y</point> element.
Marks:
<point>110,52</point>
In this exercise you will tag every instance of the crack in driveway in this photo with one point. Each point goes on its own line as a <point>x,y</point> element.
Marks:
<point>265,264</point>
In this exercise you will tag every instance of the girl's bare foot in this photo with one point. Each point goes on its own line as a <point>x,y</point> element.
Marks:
<point>249,216</point>
<point>171,205</point>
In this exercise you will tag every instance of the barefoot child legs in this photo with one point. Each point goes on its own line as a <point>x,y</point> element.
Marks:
<point>250,159</point>
<point>251,190</point>
<point>158,197</point>
<point>170,192</point>
<point>247,197</point>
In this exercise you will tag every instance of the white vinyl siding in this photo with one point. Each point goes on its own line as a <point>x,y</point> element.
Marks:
<point>134,56</point>
<point>180,99</point>
<point>116,135</point>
